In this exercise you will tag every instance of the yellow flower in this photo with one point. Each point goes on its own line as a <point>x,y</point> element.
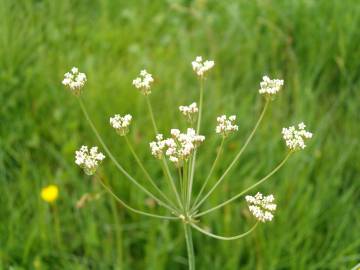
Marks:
<point>50,193</point>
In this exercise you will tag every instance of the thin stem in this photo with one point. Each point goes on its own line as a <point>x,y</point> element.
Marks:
<point>248,189</point>
<point>181,182</point>
<point>165,165</point>
<point>148,177</point>
<point>224,237</point>
<point>192,169</point>
<point>237,156</point>
<point>117,228</point>
<point>57,226</point>
<point>200,105</point>
<point>186,182</point>
<point>210,173</point>
<point>151,114</point>
<point>129,207</point>
<point>116,162</point>
<point>171,181</point>
<point>189,246</point>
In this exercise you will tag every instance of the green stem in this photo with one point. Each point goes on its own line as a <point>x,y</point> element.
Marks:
<point>189,246</point>
<point>181,182</point>
<point>192,169</point>
<point>248,189</point>
<point>117,231</point>
<point>200,105</point>
<point>57,226</point>
<point>171,181</point>
<point>165,165</point>
<point>129,207</point>
<point>148,177</point>
<point>151,114</point>
<point>160,202</point>
<point>237,156</point>
<point>224,237</point>
<point>186,181</point>
<point>210,173</point>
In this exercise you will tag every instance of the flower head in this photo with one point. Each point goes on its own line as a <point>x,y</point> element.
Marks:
<point>189,111</point>
<point>74,80</point>
<point>157,147</point>
<point>89,161</point>
<point>201,67</point>
<point>178,148</point>
<point>262,207</point>
<point>121,123</point>
<point>226,125</point>
<point>270,87</point>
<point>295,138</point>
<point>49,193</point>
<point>143,82</point>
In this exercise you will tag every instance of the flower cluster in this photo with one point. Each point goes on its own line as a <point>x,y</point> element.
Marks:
<point>121,123</point>
<point>201,67</point>
<point>75,80</point>
<point>189,111</point>
<point>294,138</point>
<point>178,148</point>
<point>157,147</point>
<point>143,82</point>
<point>270,87</point>
<point>88,160</point>
<point>262,207</point>
<point>225,125</point>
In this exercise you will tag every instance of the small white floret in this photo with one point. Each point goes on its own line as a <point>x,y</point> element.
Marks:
<point>226,125</point>
<point>144,82</point>
<point>74,80</point>
<point>121,123</point>
<point>89,160</point>
<point>178,148</point>
<point>262,207</point>
<point>201,67</point>
<point>189,111</point>
<point>270,87</point>
<point>295,137</point>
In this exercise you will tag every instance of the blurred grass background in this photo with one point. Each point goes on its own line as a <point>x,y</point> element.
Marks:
<point>313,45</point>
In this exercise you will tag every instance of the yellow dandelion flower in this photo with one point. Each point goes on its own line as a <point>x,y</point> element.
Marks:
<point>50,193</point>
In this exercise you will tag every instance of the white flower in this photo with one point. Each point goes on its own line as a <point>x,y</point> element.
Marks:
<point>201,67</point>
<point>262,207</point>
<point>121,124</point>
<point>270,87</point>
<point>175,132</point>
<point>143,82</point>
<point>88,160</point>
<point>178,148</point>
<point>294,138</point>
<point>225,125</point>
<point>157,147</point>
<point>189,111</point>
<point>74,80</point>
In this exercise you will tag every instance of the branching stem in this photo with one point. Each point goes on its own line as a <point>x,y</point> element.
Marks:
<point>248,189</point>
<point>129,207</point>
<point>148,177</point>
<point>128,176</point>
<point>224,237</point>
<point>210,173</point>
<point>164,163</point>
<point>236,157</point>
<point>192,168</point>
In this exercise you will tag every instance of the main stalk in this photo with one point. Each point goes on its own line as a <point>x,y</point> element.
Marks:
<point>189,246</point>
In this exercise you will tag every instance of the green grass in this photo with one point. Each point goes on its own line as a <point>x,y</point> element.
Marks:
<point>313,45</point>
